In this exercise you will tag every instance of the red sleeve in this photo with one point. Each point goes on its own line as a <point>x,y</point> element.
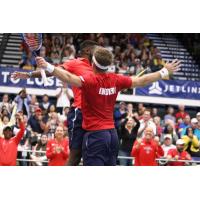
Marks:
<point>170,153</point>
<point>68,65</point>
<point>123,82</point>
<point>160,151</point>
<point>49,150</point>
<point>87,80</point>
<point>134,151</point>
<point>65,152</point>
<point>20,134</point>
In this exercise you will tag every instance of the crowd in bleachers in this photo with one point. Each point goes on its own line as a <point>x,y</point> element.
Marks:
<point>132,52</point>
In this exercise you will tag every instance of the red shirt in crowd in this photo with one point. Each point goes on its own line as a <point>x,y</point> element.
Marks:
<point>182,156</point>
<point>57,158</point>
<point>79,67</point>
<point>181,115</point>
<point>99,93</point>
<point>147,153</point>
<point>8,148</point>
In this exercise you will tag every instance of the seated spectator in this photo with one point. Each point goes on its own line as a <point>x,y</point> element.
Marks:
<point>58,149</point>
<point>8,144</point>
<point>170,115</point>
<point>43,54</point>
<point>5,103</point>
<point>37,122</point>
<point>147,150</point>
<point>39,159</point>
<point>130,110</point>
<point>55,57</point>
<point>185,124</point>
<point>181,112</point>
<point>23,101</point>
<point>67,54</point>
<point>33,104</point>
<point>178,154</point>
<point>141,110</point>
<point>159,128</point>
<point>63,118</point>
<point>145,122</point>
<point>198,118</point>
<point>191,143</point>
<point>28,62</point>
<point>128,133</point>
<point>63,94</point>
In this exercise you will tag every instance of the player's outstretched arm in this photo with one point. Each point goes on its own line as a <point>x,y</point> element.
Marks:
<point>167,70</point>
<point>61,74</point>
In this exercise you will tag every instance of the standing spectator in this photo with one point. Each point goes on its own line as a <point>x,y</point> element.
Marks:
<point>119,114</point>
<point>64,94</point>
<point>146,150</point>
<point>178,154</point>
<point>181,112</point>
<point>33,104</point>
<point>170,115</point>
<point>185,124</point>
<point>38,157</point>
<point>43,54</point>
<point>130,110</point>
<point>141,109</point>
<point>195,127</point>
<point>154,112</point>
<point>167,145</point>
<point>67,54</point>
<point>45,103</point>
<point>52,124</point>
<point>129,129</point>
<point>8,144</point>
<point>5,103</point>
<point>159,128</point>
<point>23,101</point>
<point>145,122</point>
<point>191,143</point>
<point>198,118</point>
<point>58,149</point>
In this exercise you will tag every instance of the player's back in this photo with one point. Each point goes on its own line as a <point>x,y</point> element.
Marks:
<point>99,93</point>
<point>79,67</point>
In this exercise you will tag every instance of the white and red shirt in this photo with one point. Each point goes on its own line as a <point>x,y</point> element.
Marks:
<point>99,93</point>
<point>79,67</point>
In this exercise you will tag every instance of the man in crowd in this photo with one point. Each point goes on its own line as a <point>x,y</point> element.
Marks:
<point>99,93</point>
<point>181,112</point>
<point>146,150</point>
<point>79,67</point>
<point>8,144</point>
<point>178,154</point>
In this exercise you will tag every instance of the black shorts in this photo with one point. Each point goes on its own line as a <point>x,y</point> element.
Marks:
<point>75,131</point>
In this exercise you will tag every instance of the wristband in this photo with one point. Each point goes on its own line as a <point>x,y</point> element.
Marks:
<point>50,68</point>
<point>164,72</point>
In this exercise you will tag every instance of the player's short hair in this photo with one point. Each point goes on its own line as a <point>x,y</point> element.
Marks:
<point>103,56</point>
<point>87,43</point>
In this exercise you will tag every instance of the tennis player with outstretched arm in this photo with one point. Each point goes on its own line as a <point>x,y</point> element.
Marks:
<point>79,66</point>
<point>99,93</point>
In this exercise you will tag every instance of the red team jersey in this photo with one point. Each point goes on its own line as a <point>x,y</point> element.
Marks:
<point>147,153</point>
<point>182,156</point>
<point>99,93</point>
<point>57,159</point>
<point>8,148</point>
<point>78,67</point>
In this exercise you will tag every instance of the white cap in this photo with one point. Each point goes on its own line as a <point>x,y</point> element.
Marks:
<point>198,114</point>
<point>194,120</point>
<point>180,142</point>
<point>168,136</point>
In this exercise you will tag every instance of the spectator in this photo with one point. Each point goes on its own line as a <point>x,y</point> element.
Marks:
<point>170,115</point>
<point>8,144</point>
<point>178,154</point>
<point>119,114</point>
<point>5,103</point>
<point>154,112</point>
<point>37,123</point>
<point>67,54</point>
<point>23,101</point>
<point>130,110</point>
<point>58,149</point>
<point>129,129</point>
<point>146,150</point>
<point>198,118</point>
<point>40,159</point>
<point>64,94</point>
<point>43,54</point>
<point>167,145</point>
<point>191,143</point>
<point>45,103</point>
<point>181,112</point>
<point>185,124</point>
<point>33,104</point>
<point>159,128</point>
<point>141,109</point>
<point>52,124</point>
<point>145,122</point>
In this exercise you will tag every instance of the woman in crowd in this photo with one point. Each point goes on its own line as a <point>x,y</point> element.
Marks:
<point>58,149</point>
<point>129,129</point>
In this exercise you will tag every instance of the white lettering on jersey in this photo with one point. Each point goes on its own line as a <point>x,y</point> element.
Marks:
<point>107,91</point>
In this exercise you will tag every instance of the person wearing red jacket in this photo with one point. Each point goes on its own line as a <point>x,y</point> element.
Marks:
<point>8,144</point>
<point>57,150</point>
<point>178,154</point>
<point>146,150</point>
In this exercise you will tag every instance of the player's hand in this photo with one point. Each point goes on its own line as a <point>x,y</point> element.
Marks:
<point>174,66</point>
<point>41,63</point>
<point>19,75</point>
